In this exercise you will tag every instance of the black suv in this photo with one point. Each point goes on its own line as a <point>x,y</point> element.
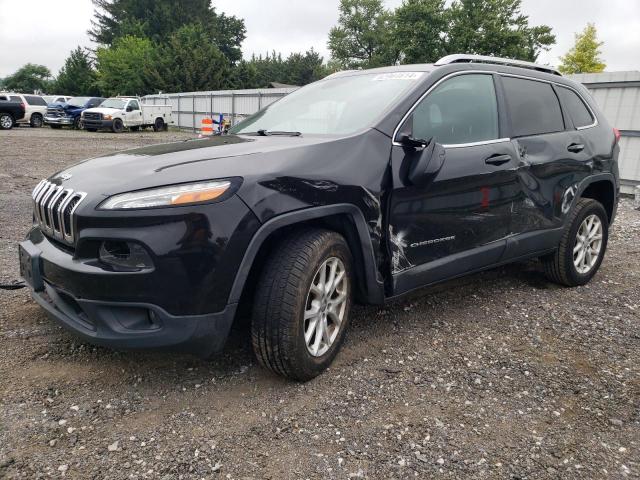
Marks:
<point>360,187</point>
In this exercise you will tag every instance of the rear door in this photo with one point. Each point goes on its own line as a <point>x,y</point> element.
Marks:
<point>553,157</point>
<point>460,221</point>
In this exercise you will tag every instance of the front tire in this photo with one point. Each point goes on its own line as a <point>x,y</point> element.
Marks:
<point>118,126</point>
<point>78,124</point>
<point>6,121</point>
<point>36,120</point>
<point>582,246</point>
<point>302,304</point>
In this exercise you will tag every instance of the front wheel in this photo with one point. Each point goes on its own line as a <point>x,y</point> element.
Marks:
<point>78,123</point>
<point>118,126</point>
<point>302,304</point>
<point>582,246</point>
<point>6,121</point>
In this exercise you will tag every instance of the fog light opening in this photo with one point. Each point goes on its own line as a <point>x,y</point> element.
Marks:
<point>124,256</point>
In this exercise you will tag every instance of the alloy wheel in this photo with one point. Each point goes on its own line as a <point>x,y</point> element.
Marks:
<point>325,307</point>
<point>588,244</point>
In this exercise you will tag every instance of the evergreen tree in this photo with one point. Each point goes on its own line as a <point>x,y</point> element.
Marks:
<point>584,56</point>
<point>187,63</point>
<point>121,67</point>
<point>77,76</point>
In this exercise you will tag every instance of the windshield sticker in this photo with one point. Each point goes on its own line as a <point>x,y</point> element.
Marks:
<point>397,76</point>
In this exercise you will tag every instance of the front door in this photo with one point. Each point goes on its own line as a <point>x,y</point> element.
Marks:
<point>460,220</point>
<point>134,114</point>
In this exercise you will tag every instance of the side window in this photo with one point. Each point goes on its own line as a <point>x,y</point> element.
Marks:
<point>35,100</point>
<point>134,105</point>
<point>4,98</point>
<point>461,110</point>
<point>579,112</point>
<point>533,107</point>
<point>15,98</point>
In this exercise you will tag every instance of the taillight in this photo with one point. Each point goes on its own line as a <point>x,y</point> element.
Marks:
<point>616,132</point>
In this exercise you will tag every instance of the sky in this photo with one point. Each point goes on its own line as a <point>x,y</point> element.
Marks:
<point>45,31</point>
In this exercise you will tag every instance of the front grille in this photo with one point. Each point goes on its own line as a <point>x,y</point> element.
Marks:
<point>92,116</point>
<point>53,208</point>
<point>55,112</point>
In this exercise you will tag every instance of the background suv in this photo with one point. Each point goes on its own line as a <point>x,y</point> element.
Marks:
<point>360,187</point>
<point>35,107</point>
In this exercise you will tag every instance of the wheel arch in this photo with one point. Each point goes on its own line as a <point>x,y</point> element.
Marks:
<point>345,219</point>
<point>602,189</point>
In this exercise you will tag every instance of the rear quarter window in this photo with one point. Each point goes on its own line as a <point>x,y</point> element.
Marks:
<point>35,100</point>
<point>533,107</point>
<point>578,111</point>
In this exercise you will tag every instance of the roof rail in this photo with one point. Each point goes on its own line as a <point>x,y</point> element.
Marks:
<point>464,58</point>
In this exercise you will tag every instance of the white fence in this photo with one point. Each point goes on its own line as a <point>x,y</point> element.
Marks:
<point>190,108</point>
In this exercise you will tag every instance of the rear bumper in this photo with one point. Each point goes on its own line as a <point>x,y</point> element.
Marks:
<point>58,120</point>
<point>132,326</point>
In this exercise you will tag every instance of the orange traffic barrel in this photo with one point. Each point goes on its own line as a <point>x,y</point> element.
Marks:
<point>206,127</point>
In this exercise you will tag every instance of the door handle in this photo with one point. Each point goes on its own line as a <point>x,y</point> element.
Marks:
<point>497,159</point>
<point>575,147</point>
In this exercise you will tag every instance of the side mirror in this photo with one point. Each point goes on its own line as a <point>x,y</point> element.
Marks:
<point>427,164</point>
<point>129,108</point>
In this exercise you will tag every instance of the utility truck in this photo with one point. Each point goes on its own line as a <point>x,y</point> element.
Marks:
<point>120,113</point>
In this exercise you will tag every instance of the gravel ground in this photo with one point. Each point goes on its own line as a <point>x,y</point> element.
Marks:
<point>498,375</point>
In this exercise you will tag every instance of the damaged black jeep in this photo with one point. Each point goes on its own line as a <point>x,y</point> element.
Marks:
<point>357,188</point>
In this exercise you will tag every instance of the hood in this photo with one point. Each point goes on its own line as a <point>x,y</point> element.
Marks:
<point>194,160</point>
<point>104,110</point>
<point>64,106</point>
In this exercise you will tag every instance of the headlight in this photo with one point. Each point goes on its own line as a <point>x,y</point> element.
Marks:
<point>174,195</point>
<point>107,117</point>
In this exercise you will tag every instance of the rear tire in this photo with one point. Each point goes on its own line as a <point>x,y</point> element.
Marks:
<point>6,121</point>
<point>118,126</point>
<point>302,304</point>
<point>582,246</point>
<point>36,120</point>
<point>158,125</point>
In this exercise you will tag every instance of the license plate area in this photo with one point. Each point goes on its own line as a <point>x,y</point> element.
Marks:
<point>30,265</point>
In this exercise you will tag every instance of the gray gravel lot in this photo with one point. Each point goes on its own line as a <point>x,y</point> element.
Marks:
<point>498,375</point>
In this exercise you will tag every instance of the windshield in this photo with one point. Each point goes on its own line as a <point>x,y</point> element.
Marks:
<point>114,103</point>
<point>77,101</point>
<point>340,105</point>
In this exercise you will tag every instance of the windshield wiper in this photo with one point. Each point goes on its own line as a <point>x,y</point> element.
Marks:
<point>266,133</point>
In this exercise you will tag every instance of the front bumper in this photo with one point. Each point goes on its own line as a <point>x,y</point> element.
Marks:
<point>58,120</point>
<point>97,124</point>
<point>124,325</point>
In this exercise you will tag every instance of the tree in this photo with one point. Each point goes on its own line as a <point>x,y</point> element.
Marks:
<point>363,36</point>
<point>418,30</point>
<point>28,79</point>
<point>495,27</point>
<point>304,68</point>
<point>77,76</point>
<point>158,19</point>
<point>187,62</point>
<point>584,56</point>
<point>121,67</point>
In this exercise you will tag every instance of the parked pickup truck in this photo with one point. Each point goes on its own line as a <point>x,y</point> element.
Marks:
<point>69,112</point>
<point>118,113</point>
<point>10,113</point>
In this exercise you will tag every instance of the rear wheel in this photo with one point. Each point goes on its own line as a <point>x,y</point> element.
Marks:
<point>6,121</point>
<point>302,304</point>
<point>36,120</point>
<point>582,246</point>
<point>158,125</point>
<point>118,126</point>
